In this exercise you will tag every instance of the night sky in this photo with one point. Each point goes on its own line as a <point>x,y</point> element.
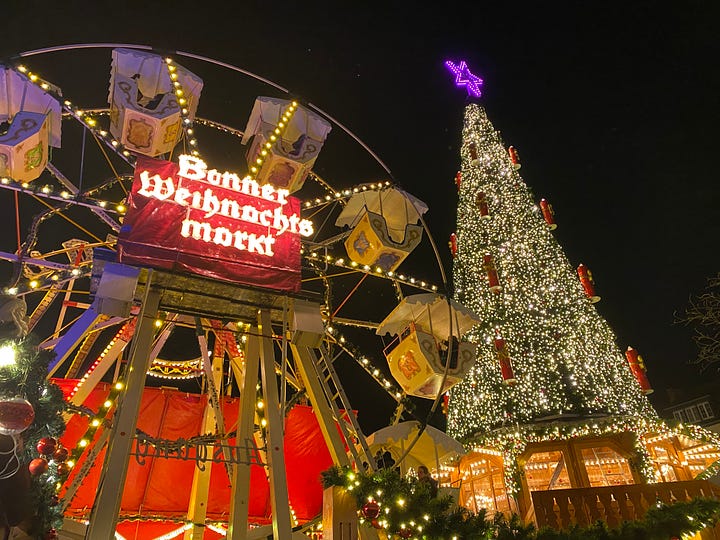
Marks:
<point>612,106</point>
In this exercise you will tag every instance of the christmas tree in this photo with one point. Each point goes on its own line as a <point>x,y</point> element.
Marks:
<point>544,352</point>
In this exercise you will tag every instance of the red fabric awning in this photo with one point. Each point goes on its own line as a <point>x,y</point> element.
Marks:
<point>161,487</point>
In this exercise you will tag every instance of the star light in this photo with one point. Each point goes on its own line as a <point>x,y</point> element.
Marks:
<point>463,77</point>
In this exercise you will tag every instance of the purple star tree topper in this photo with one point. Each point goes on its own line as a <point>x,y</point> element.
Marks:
<point>463,77</point>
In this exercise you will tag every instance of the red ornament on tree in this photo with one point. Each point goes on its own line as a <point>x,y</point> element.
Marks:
<point>637,366</point>
<point>60,455</point>
<point>489,267</point>
<point>481,201</point>
<point>375,523</point>
<point>52,534</point>
<point>46,446</point>
<point>405,533</point>
<point>458,179</point>
<point>16,414</point>
<point>587,282</point>
<point>473,154</point>
<point>38,466</point>
<point>514,157</point>
<point>371,510</point>
<point>62,468</point>
<point>503,357</point>
<point>453,245</point>
<point>548,214</point>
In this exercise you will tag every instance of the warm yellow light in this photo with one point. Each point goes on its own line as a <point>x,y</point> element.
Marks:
<point>7,355</point>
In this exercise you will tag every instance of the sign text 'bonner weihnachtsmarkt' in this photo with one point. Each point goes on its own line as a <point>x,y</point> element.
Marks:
<point>186,217</point>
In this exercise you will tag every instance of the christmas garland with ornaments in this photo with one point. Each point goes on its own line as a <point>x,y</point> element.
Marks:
<point>403,508</point>
<point>32,461</point>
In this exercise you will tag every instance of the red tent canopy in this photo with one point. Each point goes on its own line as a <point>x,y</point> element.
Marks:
<point>160,488</point>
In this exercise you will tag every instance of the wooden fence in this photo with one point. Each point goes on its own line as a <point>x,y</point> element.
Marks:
<point>563,508</point>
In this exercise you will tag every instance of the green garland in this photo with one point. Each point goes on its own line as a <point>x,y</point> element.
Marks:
<point>27,379</point>
<point>407,511</point>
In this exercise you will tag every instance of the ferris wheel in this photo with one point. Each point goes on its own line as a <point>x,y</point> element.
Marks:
<point>275,279</point>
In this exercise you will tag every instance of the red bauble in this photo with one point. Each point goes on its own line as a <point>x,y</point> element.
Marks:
<point>371,510</point>
<point>38,466</point>
<point>375,523</point>
<point>405,533</point>
<point>16,414</point>
<point>62,468</point>
<point>46,445</point>
<point>60,455</point>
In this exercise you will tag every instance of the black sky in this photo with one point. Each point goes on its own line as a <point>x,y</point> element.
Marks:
<point>613,107</point>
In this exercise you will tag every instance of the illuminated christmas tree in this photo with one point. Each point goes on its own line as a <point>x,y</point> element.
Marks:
<point>544,352</point>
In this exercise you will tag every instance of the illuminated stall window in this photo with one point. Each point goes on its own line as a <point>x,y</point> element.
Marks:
<point>664,463</point>
<point>483,486</point>
<point>605,467</point>
<point>547,470</point>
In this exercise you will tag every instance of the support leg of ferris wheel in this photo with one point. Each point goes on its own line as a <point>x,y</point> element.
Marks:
<point>282,525</point>
<point>103,519</point>
<point>247,381</point>
<point>212,422</point>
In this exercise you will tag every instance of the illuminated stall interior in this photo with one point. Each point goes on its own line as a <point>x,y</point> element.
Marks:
<point>677,457</point>
<point>482,483</point>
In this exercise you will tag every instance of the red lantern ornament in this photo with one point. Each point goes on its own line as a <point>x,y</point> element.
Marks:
<point>503,358</point>
<point>473,154</point>
<point>46,446</point>
<point>38,466</point>
<point>514,157</point>
<point>548,214</point>
<point>481,201</point>
<point>458,180</point>
<point>453,245</point>
<point>60,455</point>
<point>489,267</point>
<point>371,510</point>
<point>16,414</point>
<point>637,366</point>
<point>587,282</point>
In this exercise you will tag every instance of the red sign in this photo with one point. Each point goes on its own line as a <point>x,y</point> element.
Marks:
<point>184,217</point>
